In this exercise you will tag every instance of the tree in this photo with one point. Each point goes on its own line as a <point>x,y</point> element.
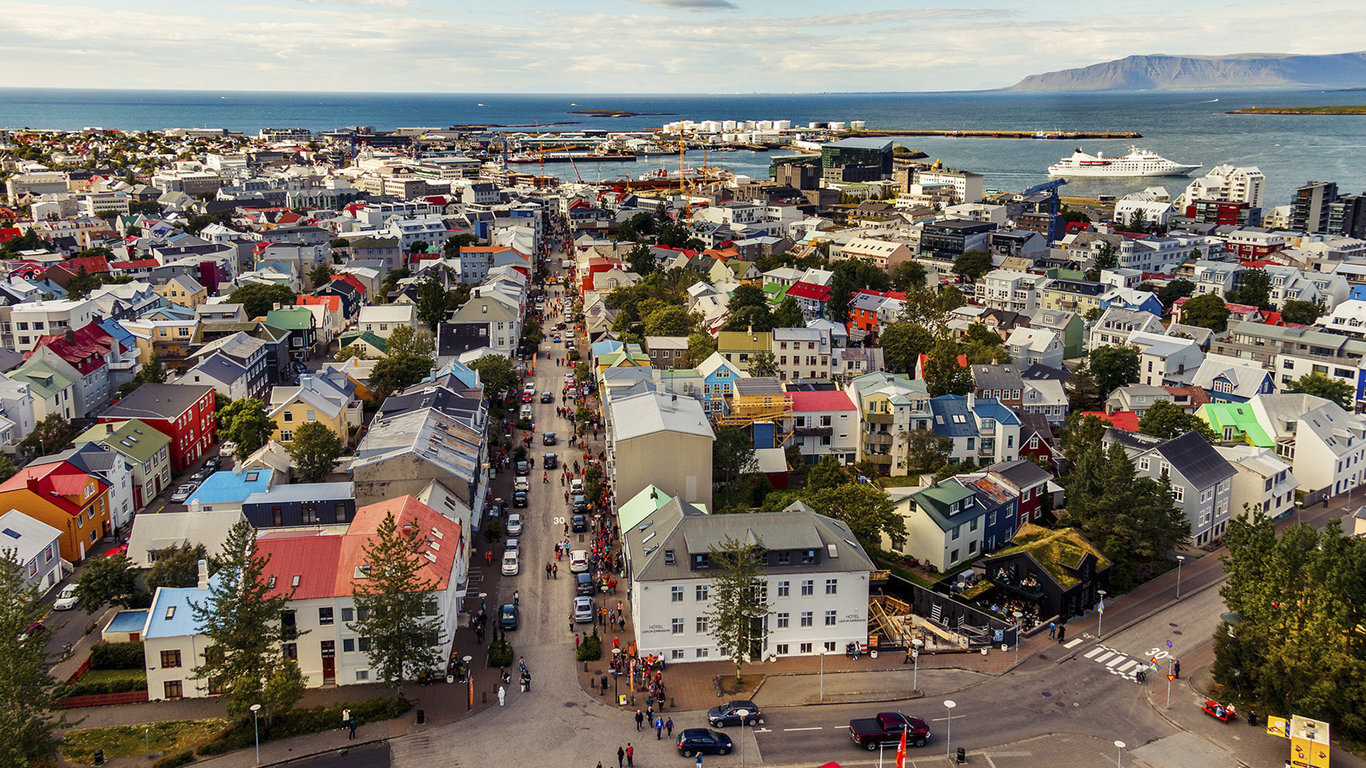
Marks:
<point>175,566</point>
<point>733,455</point>
<point>926,450</point>
<point>668,321</point>
<point>1167,420</point>
<point>641,260</point>
<point>497,376</point>
<point>1301,312</point>
<point>49,436</point>
<point>28,695</point>
<point>851,275</point>
<point>398,372</point>
<point>153,372</point>
<point>431,301</point>
<point>1254,289</point>
<point>1207,311</point>
<point>746,295</point>
<point>455,242</point>
<point>756,319</point>
<point>258,298</point>
<point>1174,290</point>
<point>1107,257</point>
<point>788,314</point>
<point>350,351</point>
<point>321,274</point>
<point>737,610</point>
<point>1319,385</point>
<point>908,276</point>
<point>241,618</point>
<point>763,364</point>
<point>406,340</point>
<point>827,474</point>
<point>395,605</point>
<point>903,344</point>
<point>866,509</point>
<point>1112,367</point>
<point>103,580</point>
<point>315,449</point>
<point>246,423</point>
<point>7,469</point>
<point>972,265</point>
<point>79,285</point>
<point>700,347</point>
<point>943,375</point>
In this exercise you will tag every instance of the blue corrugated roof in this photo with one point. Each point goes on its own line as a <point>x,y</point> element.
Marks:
<point>228,486</point>
<point>951,417</point>
<point>171,614</point>
<point>991,408</point>
<point>128,621</point>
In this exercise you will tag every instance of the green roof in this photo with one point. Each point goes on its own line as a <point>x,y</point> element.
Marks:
<point>44,380</point>
<point>936,500</point>
<point>291,318</point>
<point>1059,552</point>
<point>369,337</point>
<point>641,506</point>
<point>133,437</point>
<point>1240,417</point>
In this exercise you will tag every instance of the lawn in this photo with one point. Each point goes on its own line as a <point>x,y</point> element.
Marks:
<point>106,675</point>
<point>130,740</point>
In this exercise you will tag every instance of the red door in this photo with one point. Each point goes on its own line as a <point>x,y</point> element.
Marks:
<point>329,662</point>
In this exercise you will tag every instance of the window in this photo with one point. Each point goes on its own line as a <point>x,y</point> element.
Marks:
<point>782,649</point>
<point>676,594</point>
<point>956,530</point>
<point>310,514</point>
<point>1143,464</point>
<point>701,592</point>
<point>348,614</point>
<point>348,645</point>
<point>325,616</point>
<point>286,435</point>
<point>677,626</point>
<point>173,689</point>
<point>783,587</point>
<point>829,618</point>
<point>783,558</point>
<point>806,618</point>
<point>832,586</point>
<point>701,625</point>
<point>362,675</point>
<point>702,653</point>
<point>972,524</point>
<point>363,644</point>
<point>782,621</point>
<point>291,650</point>
<point>1178,493</point>
<point>808,587</point>
<point>805,647</point>
<point>170,659</point>
<point>289,416</point>
<point>953,556</point>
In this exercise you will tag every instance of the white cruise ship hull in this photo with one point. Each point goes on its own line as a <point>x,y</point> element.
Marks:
<point>1112,172</point>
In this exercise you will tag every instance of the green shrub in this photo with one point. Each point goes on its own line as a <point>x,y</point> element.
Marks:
<point>117,656</point>
<point>96,687</point>
<point>299,722</point>
<point>176,760</point>
<point>591,648</point>
<point>500,654</point>
<point>493,531</point>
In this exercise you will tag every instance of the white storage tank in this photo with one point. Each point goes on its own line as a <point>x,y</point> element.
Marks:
<point>729,138</point>
<point>782,125</point>
<point>764,125</point>
<point>856,125</point>
<point>727,125</point>
<point>815,126</point>
<point>837,126</point>
<point>673,127</point>
<point>747,125</point>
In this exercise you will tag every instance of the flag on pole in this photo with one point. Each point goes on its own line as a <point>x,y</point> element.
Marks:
<point>1101,608</point>
<point>901,750</point>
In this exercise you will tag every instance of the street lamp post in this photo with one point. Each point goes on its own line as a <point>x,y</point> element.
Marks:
<point>915,657</point>
<point>1100,620</point>
<point>255,725</point>
<point>1179,560</point>
<point>1018,615</point>
<point>469,683</point>
<point>948,735</point>
<point>1119,759</point>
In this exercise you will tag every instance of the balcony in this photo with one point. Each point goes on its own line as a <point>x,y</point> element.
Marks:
<point>879,418</point>
<point>813,431</point>
<point>883,439</point>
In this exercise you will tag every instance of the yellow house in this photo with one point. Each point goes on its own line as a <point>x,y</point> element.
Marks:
<point>66,498</point>
<point>328,397</point>
<point>183,290</point>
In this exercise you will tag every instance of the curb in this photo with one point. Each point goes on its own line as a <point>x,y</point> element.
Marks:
<point>1140,619</point>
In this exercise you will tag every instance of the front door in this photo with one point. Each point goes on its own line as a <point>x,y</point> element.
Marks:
<point>329,662</point>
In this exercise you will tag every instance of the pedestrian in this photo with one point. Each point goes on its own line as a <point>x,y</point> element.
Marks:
<point>1062,634</point>
<point>502,695</point>
<point>1176,669</point>
<point>1052,629</point>
<point>555,571</point>
<point>621,756</point>
<point>630,753</point>
<point>650,713</point>
<point>571,628</point>
<point>547,569</point>
<point>640,718</point>
<point>669,726</point>
<point>352,724</point>
<point>346,717</point>
<point>659,728</point>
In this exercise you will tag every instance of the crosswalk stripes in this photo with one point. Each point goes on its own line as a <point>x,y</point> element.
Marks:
<point>1114,662</point>
<point>419,749</point>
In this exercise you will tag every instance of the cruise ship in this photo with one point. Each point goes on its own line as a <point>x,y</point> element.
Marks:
<point>1139,162</point>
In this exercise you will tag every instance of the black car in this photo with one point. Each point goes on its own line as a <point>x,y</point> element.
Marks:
<point>578,523</point>
<point>548,438</point>
<point>697,741</point>
<point>507,616</point>
<point>734,713</point>
<point>546,397</point>
<point>550,461</point>
<point>583,584</point>
<point>519,499</point>
<point>523,469</point>
<point>213,463</point>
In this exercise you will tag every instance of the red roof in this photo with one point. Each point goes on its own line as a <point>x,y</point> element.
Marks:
<point>8,233</point>
<point>135,264</point>
<point>93,264</point>
<point>331,302</point>
<point>809,291</point>
<point>1125,420</point>
<point>352,281</point>
<point>55,482</point>
<point>821,400</point>
<point>309,554</point>
<point>85,350</point>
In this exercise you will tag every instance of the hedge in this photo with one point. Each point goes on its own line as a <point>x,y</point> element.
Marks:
<point>176,760</point>
<point>117,656</point>
<point>298,722</point>
<point>95,687</point>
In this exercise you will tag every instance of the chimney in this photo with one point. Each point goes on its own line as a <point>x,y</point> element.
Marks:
<point>109,428</point>
<point>203,575</point>
<point>70,336</point>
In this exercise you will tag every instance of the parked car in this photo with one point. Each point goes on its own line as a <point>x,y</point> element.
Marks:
<point>548,438</point>
<point>512,545</point>
<point>700,741</point>
<point>521,484</point>
<point>578,561</point>
<point>523,468</point>
<point>182,493</point>
<point>514,527</point>
<point>569,378</point>
<point>227,449</point>
<point>66,599</point>
<point>583,584</point>
<point>547,397</point>
<point>578,523</point>
<point>583,610</point>
<point>507,616</point>
<point>519,499</point>
<point>213,463</point>
<point>201,475</point>
<point>734,713</point>
<point>550,461</point>
<point>580,503</point>
<point>512,563</point>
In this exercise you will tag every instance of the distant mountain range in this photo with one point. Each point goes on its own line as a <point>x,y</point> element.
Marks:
<point>1244,70</point>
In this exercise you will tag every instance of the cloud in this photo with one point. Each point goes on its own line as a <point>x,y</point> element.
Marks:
<point>690,5</point>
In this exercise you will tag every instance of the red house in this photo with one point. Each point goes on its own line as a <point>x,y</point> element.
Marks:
<point>1027,481</point>
<point>183,412</point>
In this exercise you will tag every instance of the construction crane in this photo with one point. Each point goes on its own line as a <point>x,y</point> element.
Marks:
<point>1048,186</point>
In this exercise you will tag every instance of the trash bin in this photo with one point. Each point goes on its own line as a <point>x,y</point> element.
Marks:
<point>99,757</point>
<point>421,716</point>
<point>962,756</point>
<point>603,683</point>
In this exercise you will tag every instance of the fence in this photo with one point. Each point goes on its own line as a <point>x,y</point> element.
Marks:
<point>103,699</point>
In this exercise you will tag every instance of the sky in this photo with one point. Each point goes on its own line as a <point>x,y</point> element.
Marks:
<point>628,46</point>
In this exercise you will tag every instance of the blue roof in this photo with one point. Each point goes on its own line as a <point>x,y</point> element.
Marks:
<point>951,417</point>
<point>128,621</point>
<point>115,328</point>
<point>228,486</point>
<point>172,615</point>
<point>605,347</point>
<point>991,408</point>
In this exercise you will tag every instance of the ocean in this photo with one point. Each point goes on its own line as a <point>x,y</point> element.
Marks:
<point>1186,126</point>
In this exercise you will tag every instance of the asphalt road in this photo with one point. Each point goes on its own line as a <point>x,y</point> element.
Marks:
<point>362,757</point>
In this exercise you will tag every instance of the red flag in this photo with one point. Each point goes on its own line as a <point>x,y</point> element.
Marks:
<point>901,749</point>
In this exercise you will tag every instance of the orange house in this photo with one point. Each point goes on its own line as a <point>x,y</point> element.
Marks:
<point>64,497</point>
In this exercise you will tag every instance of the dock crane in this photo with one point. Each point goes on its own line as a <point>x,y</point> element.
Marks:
<point>1055,226</point>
